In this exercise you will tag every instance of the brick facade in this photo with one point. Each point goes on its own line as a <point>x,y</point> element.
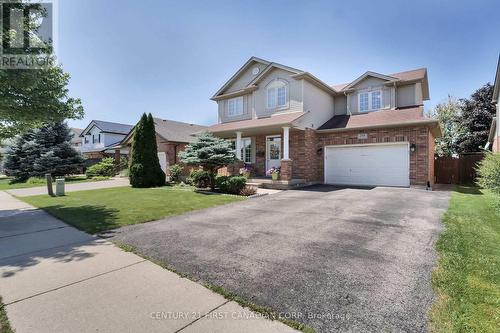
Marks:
<point>307,151</point>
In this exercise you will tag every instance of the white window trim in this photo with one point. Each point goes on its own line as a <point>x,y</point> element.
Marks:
<point>275,106</point>
<point>370,107</point>
<point>235,99</point>
<point>242,147</point>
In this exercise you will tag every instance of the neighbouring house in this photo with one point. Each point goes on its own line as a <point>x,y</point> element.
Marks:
<point>370,131</point>
<point>76,140</point>
<point>494,137</point>
<point>102,139</point>
<point>171,138</point>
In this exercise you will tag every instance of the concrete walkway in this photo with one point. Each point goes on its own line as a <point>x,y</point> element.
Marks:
<point>115,182</point>
<point>54,278</point>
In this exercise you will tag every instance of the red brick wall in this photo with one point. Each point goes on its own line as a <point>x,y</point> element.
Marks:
<point>419,160</point>
<point>432,147</point>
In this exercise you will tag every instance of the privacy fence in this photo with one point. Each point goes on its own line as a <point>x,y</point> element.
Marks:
<point>457,170</point>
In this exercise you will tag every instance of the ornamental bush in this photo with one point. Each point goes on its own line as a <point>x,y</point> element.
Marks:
<point>105,168</point>
<point>489,172</point>
<point>145,169</point>
<point>231,184</point>
<point>200,178</point>
<point>175,173</point>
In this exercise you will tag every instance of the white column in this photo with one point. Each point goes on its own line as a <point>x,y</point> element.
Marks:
<point>286,142</point>
<point>238,145</point>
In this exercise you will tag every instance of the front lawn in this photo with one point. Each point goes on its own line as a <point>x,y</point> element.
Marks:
<point>5,182</point>
<point>467,279</point>
<point>99,210</point>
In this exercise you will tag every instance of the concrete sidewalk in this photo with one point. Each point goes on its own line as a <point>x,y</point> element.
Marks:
<point>54,278</point>
<point>114,182</point>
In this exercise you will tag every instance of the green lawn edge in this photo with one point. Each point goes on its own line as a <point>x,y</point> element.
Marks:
<point>4,321</point>
<point>267,312</point>
<point>467,277</point>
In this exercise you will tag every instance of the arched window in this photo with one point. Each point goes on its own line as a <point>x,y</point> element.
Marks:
<point>277,94</point>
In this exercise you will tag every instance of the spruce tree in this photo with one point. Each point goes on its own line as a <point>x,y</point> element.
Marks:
<point>44,150</point>
<point>145,169</point>
<point>209,152</point>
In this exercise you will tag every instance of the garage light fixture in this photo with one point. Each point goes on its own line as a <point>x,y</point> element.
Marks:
<point>413,147</point>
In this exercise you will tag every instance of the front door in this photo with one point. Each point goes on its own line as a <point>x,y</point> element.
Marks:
<point>273,152</point>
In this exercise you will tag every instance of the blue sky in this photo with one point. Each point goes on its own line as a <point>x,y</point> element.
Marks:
<point>168,58</point>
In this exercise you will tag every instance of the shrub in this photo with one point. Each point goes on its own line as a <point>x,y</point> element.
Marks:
<point>175,173</point>
<point>105,168</point>
<point>145,169</point>
<point>200,178</point>
<point>248,190</point>
<point>231,184</point>
<point>489,172</point>
<point>36,180</point>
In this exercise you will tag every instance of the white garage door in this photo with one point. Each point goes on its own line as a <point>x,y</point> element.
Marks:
<point>375,164</point>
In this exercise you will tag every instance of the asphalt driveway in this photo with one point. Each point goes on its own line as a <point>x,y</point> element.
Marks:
<point>335,259</point>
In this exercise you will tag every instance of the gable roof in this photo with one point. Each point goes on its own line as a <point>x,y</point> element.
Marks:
<point>77,131</point>
<point>171,130</point>
<point>496,87</point>
<point>419,74</point>
<point>239,72</point>
<point>108,127</point>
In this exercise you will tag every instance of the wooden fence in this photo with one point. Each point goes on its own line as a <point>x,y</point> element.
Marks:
<point>453,170</point>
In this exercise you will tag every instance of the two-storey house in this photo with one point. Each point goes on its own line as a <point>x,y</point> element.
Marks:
<point>370,131</point>
<point>102,138</point>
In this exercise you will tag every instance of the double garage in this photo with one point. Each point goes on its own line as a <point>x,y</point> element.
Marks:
<point>382,164</point>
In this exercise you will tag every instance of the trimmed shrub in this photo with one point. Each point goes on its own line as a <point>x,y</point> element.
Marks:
<point>248,191</point>
<point>200,178</point>
<point>489,172</point>
<point>231,184</point>
<point>145,169</point>
<point>105,168</point>
<point>175,173</point>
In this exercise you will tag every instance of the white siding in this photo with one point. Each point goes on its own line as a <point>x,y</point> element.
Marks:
<point>244,78</point>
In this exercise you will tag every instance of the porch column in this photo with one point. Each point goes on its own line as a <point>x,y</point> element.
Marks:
<point>238,146</point>
<point>286,140</point>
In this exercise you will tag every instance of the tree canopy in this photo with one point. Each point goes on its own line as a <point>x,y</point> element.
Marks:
<point>145,169</point>
<point>209,152</point>
<point>448,113</point>
<point>475,117</point>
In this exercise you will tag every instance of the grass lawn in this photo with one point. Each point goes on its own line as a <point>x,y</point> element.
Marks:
<point>467,279</point>
<point>6,185</point>
<point>98,210</point>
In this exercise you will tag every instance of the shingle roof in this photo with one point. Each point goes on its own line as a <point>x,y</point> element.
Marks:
<point>110,127</point>
<point>254,123</point>
<point>176,131</point>
<point>379,118</point>
<point>415,74</point>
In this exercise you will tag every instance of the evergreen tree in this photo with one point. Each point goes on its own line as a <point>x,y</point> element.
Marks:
<point>476,116</point>
<point>209,152</point>
<point>145,169</point>
<point>41,151</point>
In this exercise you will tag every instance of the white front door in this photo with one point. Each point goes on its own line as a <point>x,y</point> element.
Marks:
<point>371,165</point>
<point>273,152</point>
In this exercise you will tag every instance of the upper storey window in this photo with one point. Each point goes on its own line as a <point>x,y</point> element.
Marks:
<point>370,101</point>
<point>235,106</point>
<point>277,94</point>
